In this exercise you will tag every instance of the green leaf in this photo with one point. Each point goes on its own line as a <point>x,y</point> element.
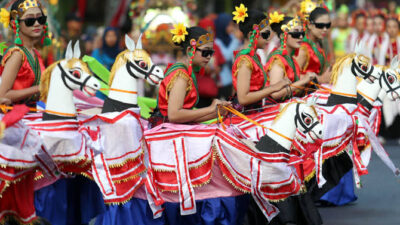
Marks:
<point>3,47</point>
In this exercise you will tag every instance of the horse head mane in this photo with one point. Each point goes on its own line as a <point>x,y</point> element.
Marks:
<point>46,76</point>
<point>338,67</point>
<point>123,57</point>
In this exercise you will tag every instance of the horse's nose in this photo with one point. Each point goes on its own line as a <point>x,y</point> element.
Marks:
<point>320,132</point>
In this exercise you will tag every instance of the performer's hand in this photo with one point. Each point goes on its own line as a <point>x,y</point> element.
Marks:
<point>5,101</point>
<point>281,84</point>
<point>309,76</point>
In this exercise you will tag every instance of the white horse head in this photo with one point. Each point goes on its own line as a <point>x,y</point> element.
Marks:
<point>362,63</point>
<point>296,115</point>
<point>130,65</point>
<point>61,78</point>
<point>390,80</point>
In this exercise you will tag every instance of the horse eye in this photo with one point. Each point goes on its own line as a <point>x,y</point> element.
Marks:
<point>142,64</point>
<point>364,67</point>
<point>76,74</point>
<point>391,79</point>
<point>307,120</point>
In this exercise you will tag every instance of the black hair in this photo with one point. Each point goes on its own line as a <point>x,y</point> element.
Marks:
<point>276,27</point>
<point>360,14</point>
<point>316,13</point>
<point>380,15</point>
<point>15,6</point>
<point>255,17</point>
<point>193,33</point>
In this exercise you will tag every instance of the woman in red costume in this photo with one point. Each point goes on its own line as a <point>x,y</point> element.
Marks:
<point>21,65</point>
<point>178,92</point>
<point>281,64</point>
<point>311,56</point>
<point>248,75</point>
<point>20,75</point>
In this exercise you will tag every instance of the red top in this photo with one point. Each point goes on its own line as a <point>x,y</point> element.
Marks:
<point>25,77</point>
<point>313,63</point>
<point>292,71</point>
<point>172,72</point>
<point>258,75</point>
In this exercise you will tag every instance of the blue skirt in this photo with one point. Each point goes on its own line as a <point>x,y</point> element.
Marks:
<point>343,193</point>
<point>221,211</point>
<point>69,201</point>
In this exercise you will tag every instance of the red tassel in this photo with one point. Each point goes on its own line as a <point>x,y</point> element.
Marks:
<point>15,115</point>
<point>284,52</point>
<point>190,69</point>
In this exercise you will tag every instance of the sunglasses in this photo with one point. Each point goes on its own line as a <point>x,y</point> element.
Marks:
<point>206,52</point>
<point>297,34</point>
<point>266,34</point>
<point>322,25</point>
<point>31,21</point>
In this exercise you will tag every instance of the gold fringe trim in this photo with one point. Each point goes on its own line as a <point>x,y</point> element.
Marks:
<point>190,168</point>
<point>116,165</point>
<point>39,177</point>
<point>4,166</point>
<point>179,74</point>
<point>305,49</point>
<point>7,184</point>
<point>9,52</point>
<point>119,181</point>
<point>277,61</point>
<point>243,60</point>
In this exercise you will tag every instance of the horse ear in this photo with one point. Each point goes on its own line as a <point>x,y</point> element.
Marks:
<point>139,42</point>
<point>77,50</point>
<point>68,53</point>
<point>130,44</point>
<point>394,64</point>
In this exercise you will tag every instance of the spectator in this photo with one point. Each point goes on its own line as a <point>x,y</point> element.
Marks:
<point>227,43</point>
<point>110,47</point>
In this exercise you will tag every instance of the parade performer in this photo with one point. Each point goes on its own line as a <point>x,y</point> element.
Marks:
<point>249,77</point>
<point>358,33</point>
<point>178,92</point>
<point>311,56</point>
<point>379,38</point>
<point>281,64</point>
<point>21,65</point>
<point>392,48</point>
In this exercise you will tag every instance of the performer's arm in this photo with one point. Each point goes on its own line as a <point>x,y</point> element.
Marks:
<point>246,97</point>
<point>11,68</point>
<point>176,112</point>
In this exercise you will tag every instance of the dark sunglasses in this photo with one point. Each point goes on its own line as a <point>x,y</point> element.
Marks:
<point>266,34</point>
<point>322,25</point>
<point>297,34</point>
<point>31,21</point>
<point>206,52</point>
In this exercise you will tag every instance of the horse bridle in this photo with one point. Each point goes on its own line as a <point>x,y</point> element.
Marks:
<point>64,77</point>
<point>298,120</point>
<point>387,83</point>
<point>130,65</point>
<point>355,68</point>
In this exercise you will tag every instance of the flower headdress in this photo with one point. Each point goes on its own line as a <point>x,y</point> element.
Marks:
<point>357,13</point>
<point>240,15</point>
<point>179,36</point>
<point>6,18</point>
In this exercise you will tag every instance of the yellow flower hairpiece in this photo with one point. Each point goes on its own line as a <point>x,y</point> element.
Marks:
<point>275,17</point>
<point>306,7</point>
<point>240,14</point>
<point>179,33</point>
<point>291,24</point>
<point>4,17</point>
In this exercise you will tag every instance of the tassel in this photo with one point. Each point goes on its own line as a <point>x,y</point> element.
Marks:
<point>18,40</point>
<point>46,41</point>
<point>284,52</point>
<point>253,40</point>
<point>191,54</point>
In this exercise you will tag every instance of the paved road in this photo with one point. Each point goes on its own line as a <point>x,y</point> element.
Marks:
<point>378,201</point>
